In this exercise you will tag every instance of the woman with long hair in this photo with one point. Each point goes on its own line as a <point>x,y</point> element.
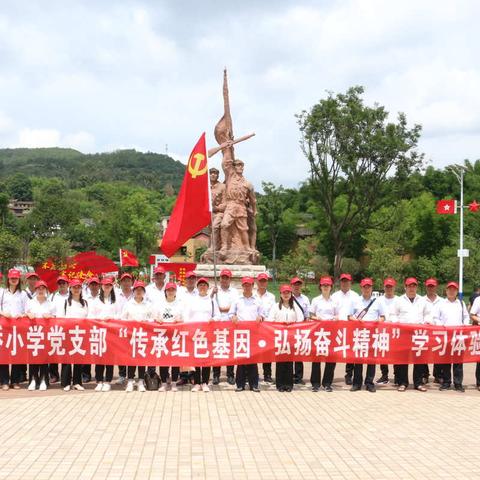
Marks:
<point>75,307</point>
<point>285,311</point>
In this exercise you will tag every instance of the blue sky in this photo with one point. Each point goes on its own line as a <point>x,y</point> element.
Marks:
<point>99,76</point>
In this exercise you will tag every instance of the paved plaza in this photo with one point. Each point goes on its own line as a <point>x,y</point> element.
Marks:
<point>223,434</point>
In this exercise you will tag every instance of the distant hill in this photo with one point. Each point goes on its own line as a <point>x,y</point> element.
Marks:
<point>149,170</point>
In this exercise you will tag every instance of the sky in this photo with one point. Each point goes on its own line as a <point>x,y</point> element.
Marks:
<point>101,76</point>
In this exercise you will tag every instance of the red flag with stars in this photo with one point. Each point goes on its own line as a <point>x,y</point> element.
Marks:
<point>446,207</point>
<point>128,259</point>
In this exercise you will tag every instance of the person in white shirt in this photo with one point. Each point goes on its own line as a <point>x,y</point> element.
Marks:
<point>104,307</point>
<point>189,290</point>
<point>387,300</point>
<point>155,290</point>
<point>201,308</point>
<point>138,309</point>
<point>92,293</point>
<point>323,308</point>
<point>411,308</point>
<point>75,307</point>
<point>304,303</point>
<point>431,286</point>
<point>39,307</point>
<point>13,301</point>
<point>268,300</point>
<point>123,295</point>
<point>169,311</point>
<point>366,309</point>
<point>345,298</point>
<point>475,318</point>
<point>451,312</point>
<point>224,296</point>
<point>31,278</point>
<point>247,308</point>
<point>285,311</point>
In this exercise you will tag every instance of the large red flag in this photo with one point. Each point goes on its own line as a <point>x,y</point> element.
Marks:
<point>128,258</point>
<point>191,212</point>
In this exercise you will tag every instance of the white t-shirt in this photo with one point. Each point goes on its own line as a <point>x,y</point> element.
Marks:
<point>225,299</point>
<point>388,304</point>
<point>375,311</point>
<point>58,302</point>
<point>13,304</point>
<point>122,299</point>
<point>435,301</point>
<point>324,308</point>
<point>103,310</point>
<point>267,300</point>
<point>134,310</point>
<point>201,309</point>
<point>169,312</point>
<point>75,310</point>
<point>345,302</point>
<point>304,303</point>
<point>246,309</point>
<point>40,310</point>
<point>154,294</point>
<point>406,311</point>
<point>286,315</point>
<point>449,313</point>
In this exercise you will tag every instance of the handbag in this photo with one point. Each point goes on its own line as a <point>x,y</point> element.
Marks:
<point>152,382</point>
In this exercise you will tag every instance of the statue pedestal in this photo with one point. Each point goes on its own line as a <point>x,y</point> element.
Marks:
<point>238,271</point>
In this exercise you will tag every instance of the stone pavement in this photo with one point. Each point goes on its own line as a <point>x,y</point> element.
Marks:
<point>223,434</point>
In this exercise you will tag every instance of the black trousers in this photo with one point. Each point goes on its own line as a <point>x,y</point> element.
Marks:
<point>87,370</point>
<point>358,374</point>
<point>315,377</point>
<point>298,371</point>
<point>284,374</point>
<point>437,371</point>
<point>418,374</point>
<point>131,372</point>
<point>67,377</point>
<point>122,371</point>
<point>201,375</point>
<point>230,371</point>
<point>4,375</point>
<point>349,369</point>
<point>244,372</point>
<point>39,372</point>
<point>17,373</point>
<point>446,373</point>
<point>53,370</point>
<point>384,370</point>
<point>103,373</point>
<point>164,373</point>
<point>267,370</point>
<point>477,374</point>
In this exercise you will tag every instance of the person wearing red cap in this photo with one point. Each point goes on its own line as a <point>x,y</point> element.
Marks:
<point>39,306</point>
<point>323,308</point>
<point>169,311</point>
<point>451,312</point>
<point>304,303</point>
<point>387,300</point>
<point>345,298</point>
<point>475,318</point>
<point>190,289</point>
<point>366,309</point>
<point>31,278</point>
<point>104,307</point>
<point>138,309</point>
<point>92,293</point>
<point>75,307</point>
<point>156,289</point>
<point>123,295</point>
<point>285,311</point>
<point>224,296</point>
<point>247,308</point>
<point>13,302</point>
<point>411,308</point>
<point>201,308</point>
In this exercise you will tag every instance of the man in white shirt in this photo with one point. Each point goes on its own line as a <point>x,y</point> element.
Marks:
<point>304,303</point>
<point>366,309</point>
<point>31,278</point>
<point>155,291</point>
<point>411,308</point>
<point>431,286</point>
<point>92,294</point>
<point>189,290</point>
<point>450,312</point>
<point>268,300</point>
<point>387,300</point>
<point>247,308</point>
<point>345,298</point>
<point>123,295</point>
<point>225,296</point>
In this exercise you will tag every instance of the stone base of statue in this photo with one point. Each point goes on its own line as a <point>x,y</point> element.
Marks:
<point>232,257</point>
<point>238,271</point>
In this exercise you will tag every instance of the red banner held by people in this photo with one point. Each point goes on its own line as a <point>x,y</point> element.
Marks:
<point>116,342</point>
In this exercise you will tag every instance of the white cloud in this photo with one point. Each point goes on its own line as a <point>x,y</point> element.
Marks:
<point>42,137</point>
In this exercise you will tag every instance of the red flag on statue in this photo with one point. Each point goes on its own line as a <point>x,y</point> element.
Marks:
<point>128,259</point>
<point>191,212</point>
<point>446,207</point>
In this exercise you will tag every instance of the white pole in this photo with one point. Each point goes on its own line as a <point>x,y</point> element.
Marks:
<point>460,264</point>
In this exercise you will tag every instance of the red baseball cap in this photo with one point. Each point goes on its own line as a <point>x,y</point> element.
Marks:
<point>126,275</point>
<point>62,278</point>
<point>190,274</point>
<point>346,276</point>
<point>108,281</point>
<point>171,285</point>
<point>14,273</point>
<point>226,273</point>
<point>75,282</point>
<point>295,280</point>
<point>325,281</point>
<point>202,280</point>
<point>138,284</point>
<point>263,276</point>
<point>366,281</point>
<point>389,282</point>
<point>158,269</point>
<point>247,280</point>
<point>30,275</point>
<point>40,283</point>
<point>431,282</point>
<point>452,285</point>
<point>285,288</point>
<point>411,281</point>
<point>93,280</point>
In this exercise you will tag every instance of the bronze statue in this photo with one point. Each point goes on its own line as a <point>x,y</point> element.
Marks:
<point>238,206</point>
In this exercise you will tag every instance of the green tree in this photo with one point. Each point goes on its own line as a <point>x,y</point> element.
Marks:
<point>55,248</point>
<point>352,149</point>
<point>10,250</point>
<point>20,187</point>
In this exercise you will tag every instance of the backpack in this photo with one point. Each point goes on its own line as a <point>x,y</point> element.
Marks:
<point>152,382</point>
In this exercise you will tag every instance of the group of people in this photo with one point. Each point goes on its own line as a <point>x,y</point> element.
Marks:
<point>198,301</point>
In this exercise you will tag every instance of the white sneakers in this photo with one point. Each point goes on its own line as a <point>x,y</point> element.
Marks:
<point>78,387</point>
<point>99,387</point>
<point>43,386</point>
<point>163,388</point>
<point>174,387</point>
<point>67,388</point>
<point>141,386</point>
<point>32,386</point>
<point>106,387</point>
<point>130,384</point>
<point>196,388</point>
<point>205,388</point>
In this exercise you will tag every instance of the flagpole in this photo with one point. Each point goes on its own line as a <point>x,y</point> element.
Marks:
<point>460,264</point>
<point>212,235</point>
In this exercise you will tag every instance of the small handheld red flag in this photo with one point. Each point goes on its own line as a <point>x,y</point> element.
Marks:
<point>191,212</point>
<point>128,259</point>
<point>446,207</point>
